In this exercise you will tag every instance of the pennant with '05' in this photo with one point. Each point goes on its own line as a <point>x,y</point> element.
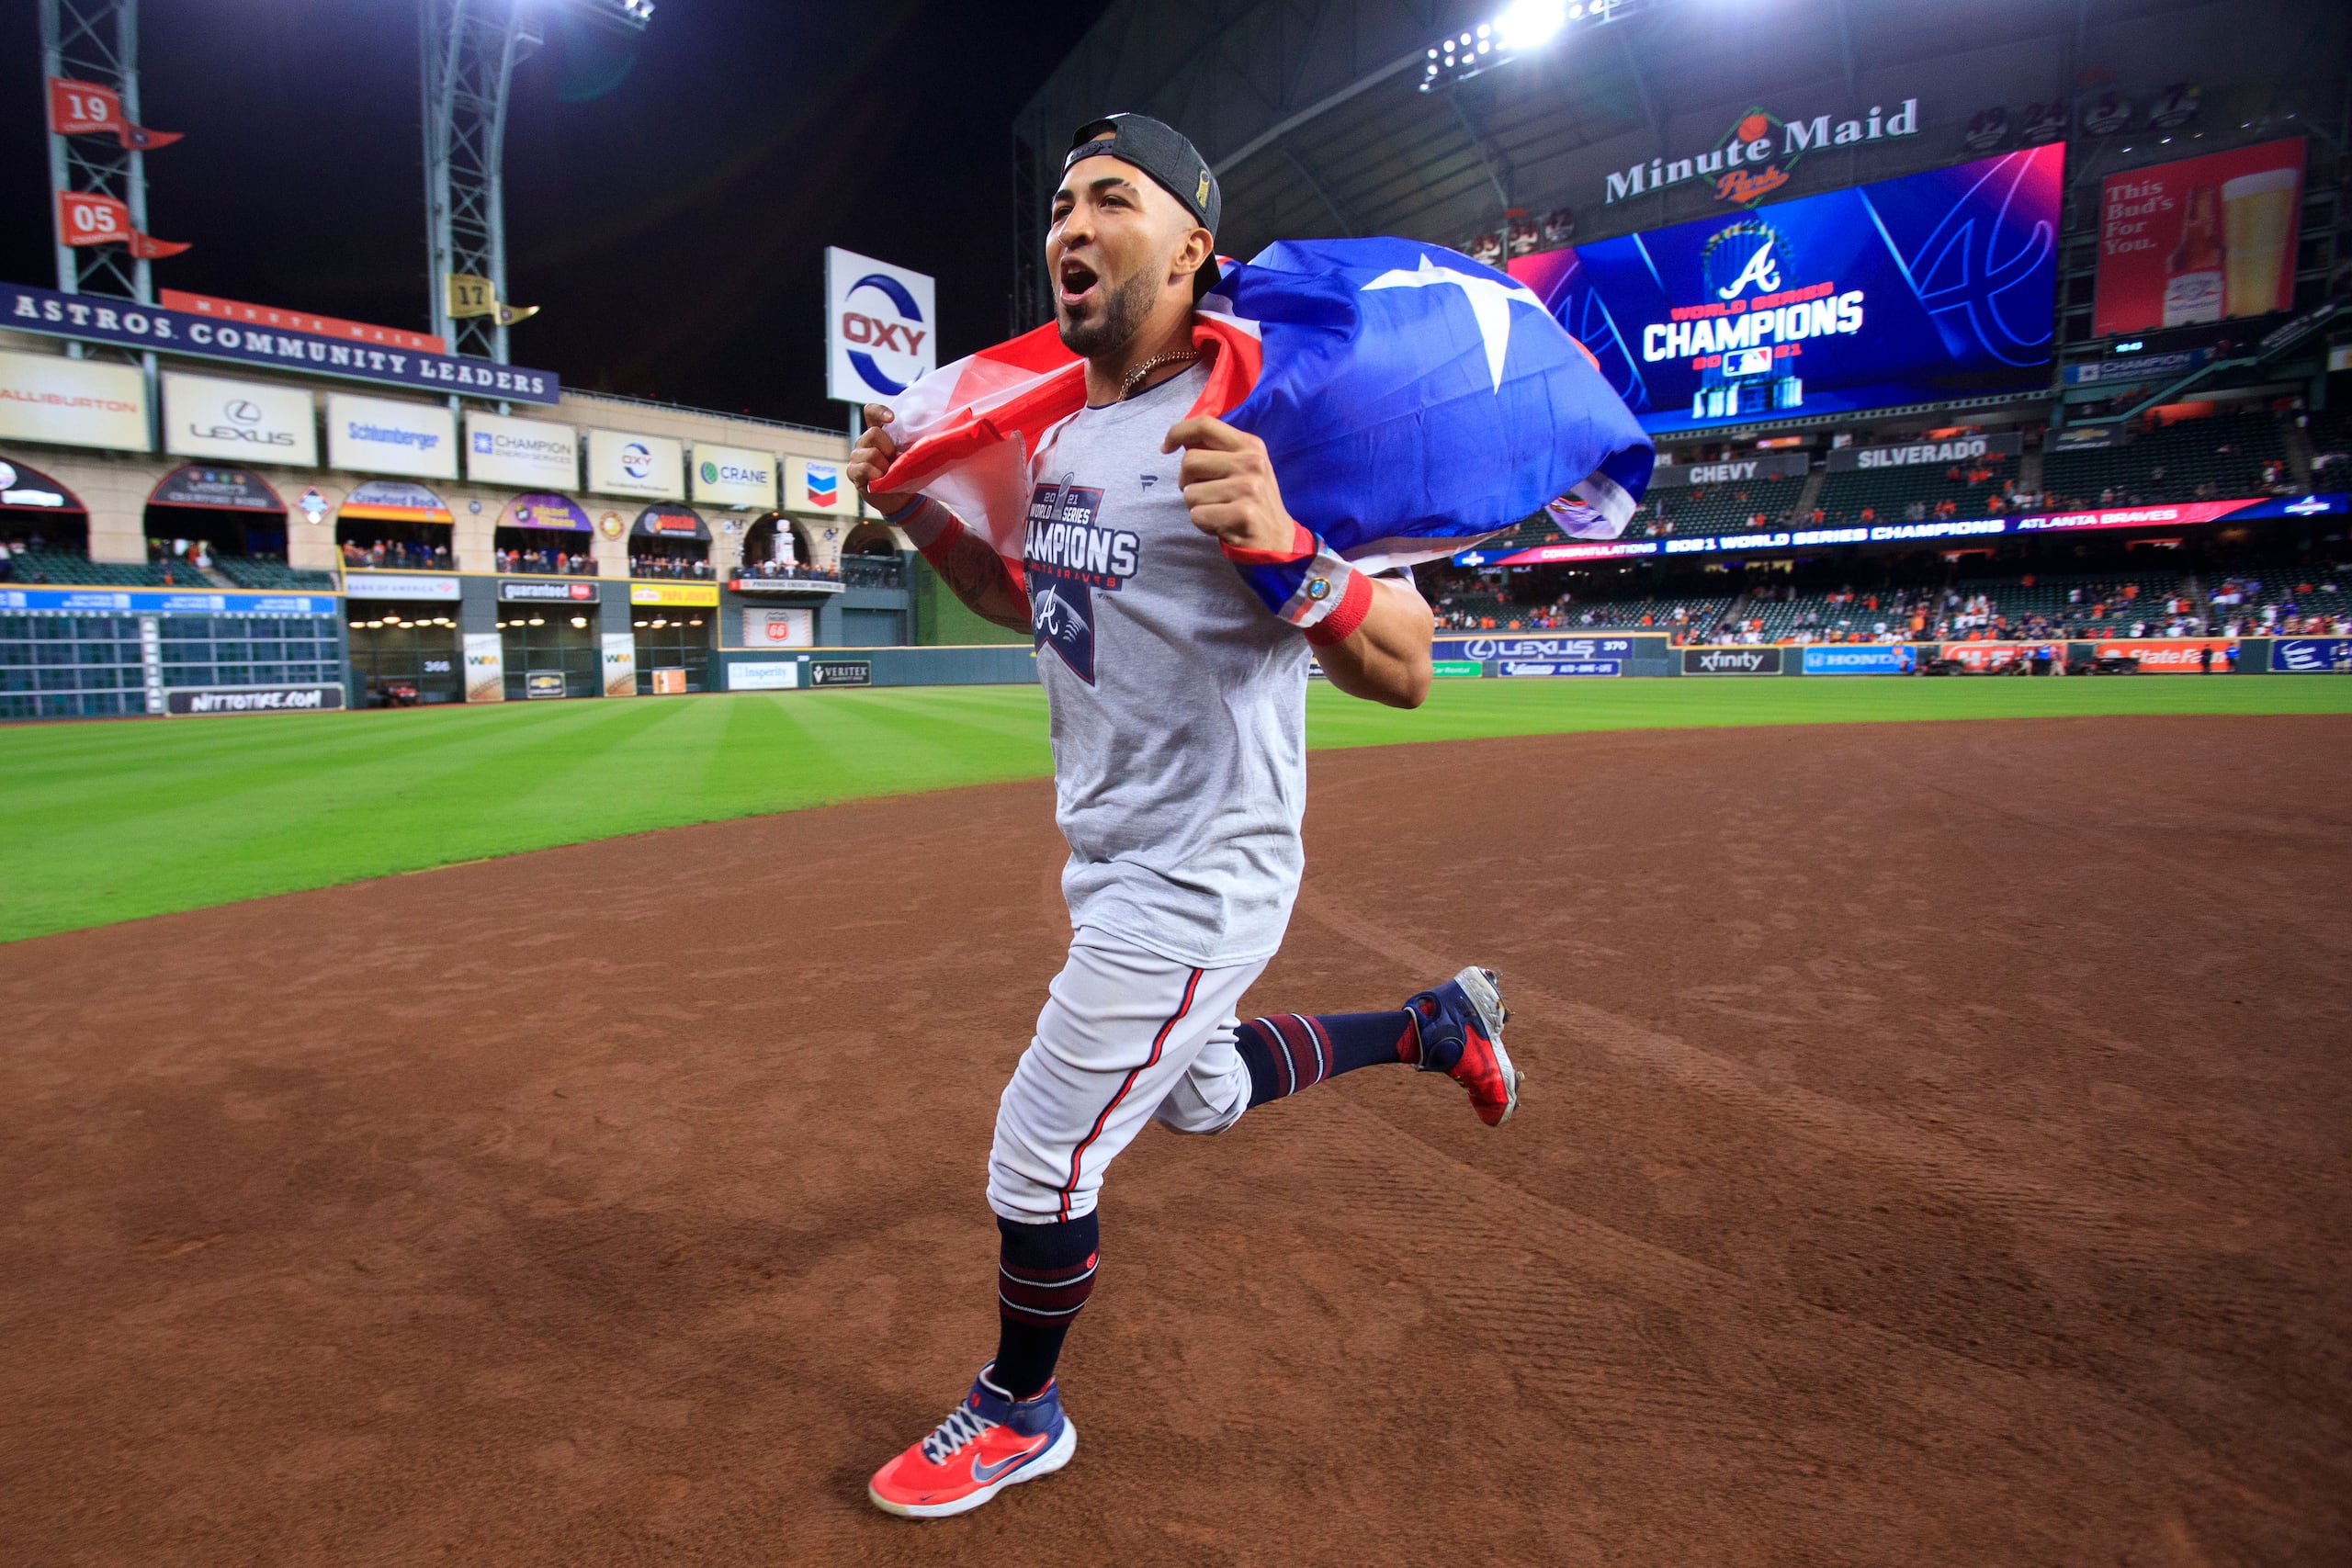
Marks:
<point>471,295</point>
<point>86,217</point>
<point>85,108</point>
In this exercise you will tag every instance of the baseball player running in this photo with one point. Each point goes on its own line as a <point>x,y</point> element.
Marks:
<point>1178,713</point>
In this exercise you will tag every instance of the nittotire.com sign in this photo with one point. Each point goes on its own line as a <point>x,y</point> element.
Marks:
<point>254,699</point>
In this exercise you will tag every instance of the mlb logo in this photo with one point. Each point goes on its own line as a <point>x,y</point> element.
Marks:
<point>824,484</point>
<point>481,443</point>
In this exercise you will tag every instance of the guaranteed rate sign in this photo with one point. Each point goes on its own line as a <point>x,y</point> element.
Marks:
<point>89,319</point>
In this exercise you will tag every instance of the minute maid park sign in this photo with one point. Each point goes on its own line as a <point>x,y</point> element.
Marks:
<point>1752,158</point>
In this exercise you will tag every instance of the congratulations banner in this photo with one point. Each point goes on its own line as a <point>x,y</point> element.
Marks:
<point>1934,286</point>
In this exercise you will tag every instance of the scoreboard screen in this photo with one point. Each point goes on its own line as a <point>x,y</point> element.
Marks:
<point>1934,286</point>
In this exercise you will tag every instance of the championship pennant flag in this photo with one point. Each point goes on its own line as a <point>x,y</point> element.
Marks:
<point>471,295</point>
<point>85,108</point>
<point>1410,399</point>
<point>84,218</point>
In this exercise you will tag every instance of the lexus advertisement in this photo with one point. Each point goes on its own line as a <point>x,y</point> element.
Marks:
<point>1934,286</point>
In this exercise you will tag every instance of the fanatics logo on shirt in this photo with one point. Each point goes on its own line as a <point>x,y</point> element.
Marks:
<point>1067,558</point>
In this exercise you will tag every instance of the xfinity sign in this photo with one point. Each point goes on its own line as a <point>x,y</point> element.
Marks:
<point>880,327</point>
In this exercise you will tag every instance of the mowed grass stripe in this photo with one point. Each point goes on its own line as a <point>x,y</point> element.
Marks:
<point>104,822</point>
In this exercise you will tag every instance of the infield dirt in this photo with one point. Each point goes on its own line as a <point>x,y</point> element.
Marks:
<point>1937,1152</point>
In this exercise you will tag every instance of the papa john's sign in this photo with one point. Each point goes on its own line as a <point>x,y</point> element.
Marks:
<point>879,327</point>
<point>1752,158</point>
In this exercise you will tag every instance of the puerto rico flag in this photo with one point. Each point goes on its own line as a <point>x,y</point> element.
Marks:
<point>1410,399</point>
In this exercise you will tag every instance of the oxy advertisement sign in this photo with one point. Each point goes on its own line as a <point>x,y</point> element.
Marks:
<point>1895,659</point>
<point>72,403</point>
<point>400,585</point>
<point>528,453</point>
<point>45,311</point>
<point>879,327</point>
<point>1763,661</point>
<point>1944,453</point>
<point>733,476</point>
<point>779,628</point>
<point>651,466</point>
<point>252,421</point>
<point>2312,656</point>
<point>2201,240</point>
<point>1938,285</point>
<point>376,435</point>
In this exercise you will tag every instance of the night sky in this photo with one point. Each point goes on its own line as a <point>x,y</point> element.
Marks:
<point>669,198</point>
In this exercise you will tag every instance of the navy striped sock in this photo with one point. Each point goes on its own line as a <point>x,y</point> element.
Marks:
<point>1044,1275</point>
<point>1294,1051</point>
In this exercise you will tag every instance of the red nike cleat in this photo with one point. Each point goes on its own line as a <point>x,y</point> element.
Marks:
<point>1461,1027</point>
<point>988,1443</point>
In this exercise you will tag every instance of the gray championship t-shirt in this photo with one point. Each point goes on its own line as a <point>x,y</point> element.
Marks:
<point>1178,701</point>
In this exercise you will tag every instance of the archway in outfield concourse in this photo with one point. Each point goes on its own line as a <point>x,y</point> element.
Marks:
<point>870,539</point>
<point>551,650</point>
<point>780,538</point>
<point>669,541</point>
<point>395,525</point>
<point>206,513</point>
<point>39,518</point>
<point>406,655</point>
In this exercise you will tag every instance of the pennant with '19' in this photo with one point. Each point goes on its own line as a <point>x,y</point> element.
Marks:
<point>85,108</point>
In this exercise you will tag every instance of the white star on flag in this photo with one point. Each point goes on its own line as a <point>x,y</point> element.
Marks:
<point>1490,302</point>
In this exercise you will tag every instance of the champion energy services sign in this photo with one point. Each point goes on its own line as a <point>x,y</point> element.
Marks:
<point>527,453</point>
<point>1754,157</point>
<point>29,310</point>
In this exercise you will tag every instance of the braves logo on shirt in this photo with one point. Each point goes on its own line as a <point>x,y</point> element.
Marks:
<point>1067,558</point>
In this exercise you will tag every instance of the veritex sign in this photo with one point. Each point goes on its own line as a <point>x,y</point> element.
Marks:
<point>89,319</point>
<point>1753,159</point>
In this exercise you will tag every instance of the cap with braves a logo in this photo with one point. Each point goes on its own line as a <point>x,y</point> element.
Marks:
<point>1159,150</point>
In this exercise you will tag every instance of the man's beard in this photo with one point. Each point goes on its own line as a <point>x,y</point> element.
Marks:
<point>1124,309</point>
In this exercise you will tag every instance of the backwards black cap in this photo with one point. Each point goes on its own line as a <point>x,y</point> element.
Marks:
<point>1161,150</point>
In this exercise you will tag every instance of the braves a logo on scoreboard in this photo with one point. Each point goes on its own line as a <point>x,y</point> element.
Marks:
<point>1067,558</point>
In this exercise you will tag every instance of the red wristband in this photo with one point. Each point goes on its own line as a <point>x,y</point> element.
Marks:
<point>1340,622</point>
<point>936,551</point>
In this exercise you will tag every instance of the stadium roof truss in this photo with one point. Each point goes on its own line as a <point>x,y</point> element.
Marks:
<point>1311,112</point>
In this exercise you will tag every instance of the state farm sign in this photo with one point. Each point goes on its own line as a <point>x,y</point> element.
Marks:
<point>879,327</point>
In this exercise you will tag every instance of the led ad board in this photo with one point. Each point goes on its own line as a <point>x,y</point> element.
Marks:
<point>1935,286</point>
<point>2201,240</point>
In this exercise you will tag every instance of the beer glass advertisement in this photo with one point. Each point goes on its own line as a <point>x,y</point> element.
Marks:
<point>2201,240</point>
<point>1936,285</point>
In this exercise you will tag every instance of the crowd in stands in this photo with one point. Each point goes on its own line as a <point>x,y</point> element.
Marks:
<point>395,555</point>
<point>547,562</point>
<point>668,565</point>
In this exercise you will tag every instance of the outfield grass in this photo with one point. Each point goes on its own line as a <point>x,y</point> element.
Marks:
<point>109,821</point>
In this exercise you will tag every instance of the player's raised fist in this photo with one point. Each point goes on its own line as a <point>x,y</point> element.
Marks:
<point>872,456</point>
<point>1229,487</point>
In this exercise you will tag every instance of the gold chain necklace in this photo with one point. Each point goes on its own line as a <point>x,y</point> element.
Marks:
<point>1174,356</point>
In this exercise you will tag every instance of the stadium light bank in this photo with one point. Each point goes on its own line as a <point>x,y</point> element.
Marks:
<point>1518,28</point>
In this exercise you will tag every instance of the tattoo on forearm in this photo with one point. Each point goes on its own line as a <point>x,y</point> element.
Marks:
<point>975,574</point>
